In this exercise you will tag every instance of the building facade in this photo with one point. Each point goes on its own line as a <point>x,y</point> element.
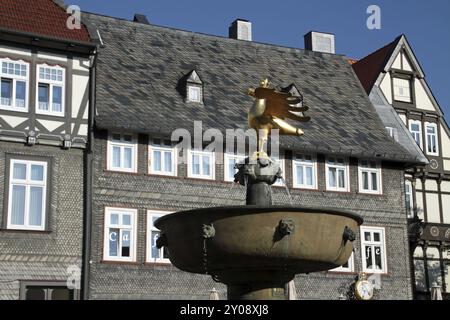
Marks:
<point>396,84</point>
<point>44,71</point>
<point>152,81</point>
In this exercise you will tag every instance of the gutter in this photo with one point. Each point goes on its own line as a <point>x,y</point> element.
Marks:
<point>89,158</point>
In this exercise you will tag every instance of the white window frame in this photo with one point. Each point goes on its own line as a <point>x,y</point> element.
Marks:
<point>418,122</point>
<point>379,177</point>
<point>350,268</point>
<point>133,231</point>
<point>150,227</point>
<point>202,154</point>
<point>345,167</point>
<point>199,93</point>
<point>410,208</point>
<point>402,98</point>
<point>122,144</point>
<point>227,158</point>
<point>435,135</point>
<point>14,78</point>
<point>51,84</point>
<point>281,162</point>
<point>28,183</point>
<point>162,149</point>
<point>304,163</point>
<point>372,243</point>
<point>390,131</point>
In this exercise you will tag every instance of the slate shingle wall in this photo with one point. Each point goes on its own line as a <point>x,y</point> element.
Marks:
<point>144,192</point>
<point>44,255</point>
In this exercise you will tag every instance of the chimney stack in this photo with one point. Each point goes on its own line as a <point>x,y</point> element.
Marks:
<point>320,42</point>
<point>240,29</point>
<point>141,18</point>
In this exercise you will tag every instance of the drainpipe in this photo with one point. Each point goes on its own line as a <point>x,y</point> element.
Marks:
<point>87,221</point>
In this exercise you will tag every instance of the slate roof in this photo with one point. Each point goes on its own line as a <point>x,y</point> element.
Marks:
<point>138,87</point>
<point>39,17</point>
<point>390,118</point>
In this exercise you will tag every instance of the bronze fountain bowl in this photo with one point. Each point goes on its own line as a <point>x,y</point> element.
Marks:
<point>244,244</point>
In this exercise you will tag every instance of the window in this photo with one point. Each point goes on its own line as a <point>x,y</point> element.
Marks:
<point>369,177</point>
<point>415,127</point>
<point>373,250</point>
<point>280,182</point>
<point>230,162</point>
<point>50,88</point>
<point>45,290</point>
<point>27,195</point>
<point>393,133</point>
<point>154,254</point>
<point>120,234</point>
<point>162,158</point>
<point>201,164</point>
<point>402,90</point>
<point>409,199</point>
<point>14,85</point>
<point>431,139</point>
<point>337,174</point>
<point>304,170</point>
<point>194,94</point>
<point>122,153</point>
<point>349,266</point>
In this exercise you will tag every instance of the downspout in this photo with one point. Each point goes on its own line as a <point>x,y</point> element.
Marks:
<point>87,221</point>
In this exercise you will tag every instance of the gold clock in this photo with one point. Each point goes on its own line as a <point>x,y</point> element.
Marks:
<point>364,290</point>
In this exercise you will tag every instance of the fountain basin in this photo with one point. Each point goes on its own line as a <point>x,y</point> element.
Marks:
<point>243,244</point>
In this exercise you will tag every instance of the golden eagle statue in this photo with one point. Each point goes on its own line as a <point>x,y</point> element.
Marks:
<point>270,110</point>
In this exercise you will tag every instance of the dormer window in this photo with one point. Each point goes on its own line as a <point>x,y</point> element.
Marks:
<point>194,88</point>
<point>194,93</point>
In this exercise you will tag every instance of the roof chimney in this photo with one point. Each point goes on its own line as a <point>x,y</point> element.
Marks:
<point>320,42</point>
<point>240,29</point>
<point>141,18</point>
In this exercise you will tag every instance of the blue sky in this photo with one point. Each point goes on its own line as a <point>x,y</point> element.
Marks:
<point>425,23</point>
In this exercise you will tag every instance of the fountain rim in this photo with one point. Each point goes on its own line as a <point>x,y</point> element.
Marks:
<point>254,209</point>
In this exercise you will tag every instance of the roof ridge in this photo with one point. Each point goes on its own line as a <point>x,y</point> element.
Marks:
<point>224,38</point>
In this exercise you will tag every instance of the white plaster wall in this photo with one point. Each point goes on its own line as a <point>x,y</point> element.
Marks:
<point>423,101</point>
<point>397,62</point>
<point>386,87</point>
<point>6,50</point>
<point>445,147</point>
<point>446,207</point>
<point>79,88</point>
<point>52,56</point>
<point>433,214</point>
<point>431,185</point>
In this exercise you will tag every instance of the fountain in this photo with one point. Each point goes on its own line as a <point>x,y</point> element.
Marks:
<point>258,248</point>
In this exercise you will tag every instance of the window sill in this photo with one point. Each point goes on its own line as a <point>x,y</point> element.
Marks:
<point>120,262</point>
<point>124,172</point>
<point>370,193</point>
<point>10,230</point>
<point>154,174</point>
<point>8,108</point>
<point>158,264</point>
<point>201,178</point>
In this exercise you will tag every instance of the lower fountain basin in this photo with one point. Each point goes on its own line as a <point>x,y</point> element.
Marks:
<point>234,243</point>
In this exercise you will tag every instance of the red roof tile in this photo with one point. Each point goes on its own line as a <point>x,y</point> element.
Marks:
<point>40,17</point>
<point>369,68</point>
